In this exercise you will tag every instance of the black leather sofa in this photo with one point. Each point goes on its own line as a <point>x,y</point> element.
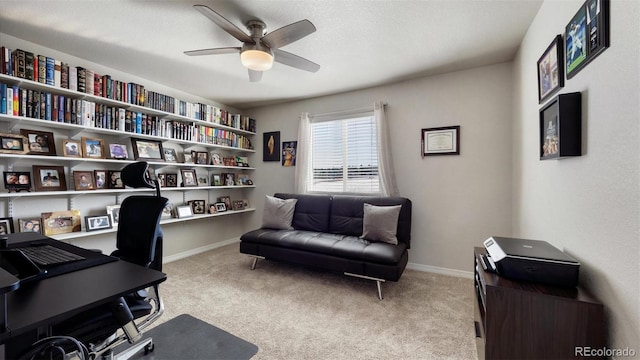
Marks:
<point>326,234</point>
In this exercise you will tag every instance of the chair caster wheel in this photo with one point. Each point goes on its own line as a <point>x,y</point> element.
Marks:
<point>149,348</point>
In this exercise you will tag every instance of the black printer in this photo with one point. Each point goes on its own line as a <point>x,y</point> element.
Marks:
<point>531,260</point>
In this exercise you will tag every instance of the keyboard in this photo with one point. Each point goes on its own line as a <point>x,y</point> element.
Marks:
<point>45,255</point>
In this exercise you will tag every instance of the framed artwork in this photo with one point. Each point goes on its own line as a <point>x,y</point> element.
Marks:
<point>49,178</point>
<point>113,211</point>
<point>83,180</point>
<point>561,127</point>
<point>216,158</point>
<point>17,180</point>
<point>188,158</point>
<point>550,70</point>
<point>92,148</point>
<point>226,200</point>
<point>100,177</point>
<point>289,153</point>
<point>203,180</point>
<point>197,206</point>
<point>184,211</point>
<point>237,205</point>
<point>114,179</point>
<point>40,142</point>
<point>243,161</point>
<point>167,211</point>
<point>216,180</point>
<point>202,158</point>
<point>61,222</point>
<point>100,222</point>
<point>243,179</point>
<point>229,161</point>
<point>229,179</point>
<point>212,208</point>
<point>188,177</point>
<point>162,180</point>
<point>586,36</point>
<point>30,225</point>
<point>147,149</point>
<point>118,151</point>
<point>72,148</point>
<point>172,180</point>
<point>6,226</point>
<point>170,155</point>
<point>271,146</point>
<point>221,207</point>
<point>441,141</point>
<point>13,144</point>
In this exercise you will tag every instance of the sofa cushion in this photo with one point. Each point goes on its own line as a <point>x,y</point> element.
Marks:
<point>312,211</point>
<point>278,213</point>
<point>380,223</point>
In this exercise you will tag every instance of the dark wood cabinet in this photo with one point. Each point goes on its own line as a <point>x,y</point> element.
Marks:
<point>524,320</point>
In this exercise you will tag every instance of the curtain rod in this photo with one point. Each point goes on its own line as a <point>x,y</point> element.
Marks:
<point>346,111</point>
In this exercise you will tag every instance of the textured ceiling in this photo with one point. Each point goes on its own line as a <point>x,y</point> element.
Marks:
<point>358,44</point>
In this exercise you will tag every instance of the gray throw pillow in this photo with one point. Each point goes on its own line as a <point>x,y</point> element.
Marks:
<point>380,223</point>
<point>278,213</point>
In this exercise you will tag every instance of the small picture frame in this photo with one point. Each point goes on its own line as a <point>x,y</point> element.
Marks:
<point>100,177</point>
<point>212,208</point>
<point>216,180</point>
<point>189,178</point>
<point>33,225</point>
<point>184,211</point>
<point>271,146</point>
<point>226,200</point>
<point>83,180</point>
<point>61,222</point>
<point>167,211</point>
<point>202,158</point>
<point>100,222</point>
<point>6,226</point>
<point>72,148</point>
<point>221,207</point>
<point>92,148</point>
<point>243,179</point>
<point>170,155</point>
<point>243,161</point>
<point>586,36</point>
<point>40,142</point>
<point>147,149</point>
<point>172,180</point>
<point>49,178</point>
<point>162,180</point>
<point>197,206</point>
<point>17,180</point>
<point>229,179</point>
<point>237,205</point>
<point>551,70</point>
<point>113,211</point>
<point>188,158</point>
<point>440,141</point>
<point>118,151</point>
<point>216,158</point>
<point>13,144</point>
<point>114,179</point>
<point>203,180</point>
<point>289,150</point>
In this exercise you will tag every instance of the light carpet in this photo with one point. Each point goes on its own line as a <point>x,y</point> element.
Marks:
<point>292,312</point>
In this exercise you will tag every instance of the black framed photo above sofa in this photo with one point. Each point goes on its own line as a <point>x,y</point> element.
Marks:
<point>587,35</point>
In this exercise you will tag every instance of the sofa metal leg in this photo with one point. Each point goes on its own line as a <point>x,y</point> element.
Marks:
<point>255,261</point>
<point>379,285</point>
<point>378,282</point>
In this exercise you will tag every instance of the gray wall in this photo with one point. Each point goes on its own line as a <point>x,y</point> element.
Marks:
<point>458,201</point>
<point>587,206</point>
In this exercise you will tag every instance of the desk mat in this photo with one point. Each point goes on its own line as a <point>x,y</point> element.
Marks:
<point>185,337</point>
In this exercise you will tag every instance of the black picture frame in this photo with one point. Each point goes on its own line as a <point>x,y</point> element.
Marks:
<point>17,180</point>
<point>271,146</point>
<point>6,226</point>
<point>440,141</point>
<point>289,150</point>
<point>40,142</point>
<point>198,206</point>
<point>99,222</point>
<point>147,149</point>
<point>586,36</point>
<point>171,179</point>
<point>551,70</point>
<point>561,127</point>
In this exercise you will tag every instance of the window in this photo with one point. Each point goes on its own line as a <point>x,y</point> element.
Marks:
<point>344,156</point>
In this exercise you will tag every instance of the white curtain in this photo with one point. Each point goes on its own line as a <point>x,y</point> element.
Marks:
<point>387,175</point>
<point>303,163</point>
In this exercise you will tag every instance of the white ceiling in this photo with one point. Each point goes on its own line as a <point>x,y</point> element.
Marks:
<point>358,43</point>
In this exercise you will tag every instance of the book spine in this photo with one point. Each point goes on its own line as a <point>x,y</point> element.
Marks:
<point>9,100</point>
<point>61,101</point>
<point>73,78</point>
<point>28,58</point>
<point>138,123</point>
<point>97,84</point>
<point>42,69</point>
<point>121,119</point>
<point>3,100</point>
<point>20,64</point>
<point>64,75</point>
<point>54,107</point>
<point>89,79</point>
<point>16,100</point>
<point>50,71</point>
<point>57,73</point>
<point>47,109</point>
<point>68,109</point>
<point>82,82</point>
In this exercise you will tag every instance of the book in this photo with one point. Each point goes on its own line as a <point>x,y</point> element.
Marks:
<point>29,70</point>
<point>89,79</point>
<point>50,70</point>
<point>57,73</point>
<point>64,75</point>
<point>73,78</point>
<point>16,100</point>
<point>19,63</point>
<point>42,69</point>
<point>82,82</point>
<point>3,98</point>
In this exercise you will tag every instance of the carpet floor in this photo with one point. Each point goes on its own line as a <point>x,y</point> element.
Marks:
<point>292,312</point>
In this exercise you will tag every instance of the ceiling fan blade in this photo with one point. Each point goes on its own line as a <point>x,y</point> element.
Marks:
<point>214,51</point>
<point>295,61</point>
<point>225,24</point>
<point>288,34</point>
<point>255,76</point>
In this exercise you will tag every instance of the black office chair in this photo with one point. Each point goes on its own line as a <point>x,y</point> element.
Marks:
<point>139,240</point>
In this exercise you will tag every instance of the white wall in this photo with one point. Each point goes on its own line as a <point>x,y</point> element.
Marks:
<point>458,201</point>
<point>587,206</point>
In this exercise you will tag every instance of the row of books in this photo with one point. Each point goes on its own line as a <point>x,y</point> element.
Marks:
<point>40,68</point>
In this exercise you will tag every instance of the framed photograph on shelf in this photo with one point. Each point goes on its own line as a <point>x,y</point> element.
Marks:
<point>188,177</point>
<point>188,158</point>
<point>6,226</point>
<point>162,180</point>
<point>197,206</point>
<point>114,180</point>
<point>229,179</point>
<point>147,149</point>
<point>216,158</point>
<point>170,155</point>
<point>83,180</point>
<point>221,207</point>
<point>118,151</point>
<point>17,180</point>
<point>92,148</point>
<point>237,205</point>
<point>100,222</point>
<point>212,208</point>
<point>49,178</point>
<point>202,158</point>
<point>61,222</point>
<point>216,180</point>
<point>13,144</point>
<point>550,70</point>
<point>586,36</point>
<point>72,148</point>
<point>113,211</point>
<point>30,225</point>
<point>167,211</point>
<point>184,211</point>
<point>243,179</point>
<point>100,176</point>
<point>40,142</point>
<point>172,180</point>
<point>226,200</point>
<point>271,146</point>
<point>441,141</point>
<point>203,180</point>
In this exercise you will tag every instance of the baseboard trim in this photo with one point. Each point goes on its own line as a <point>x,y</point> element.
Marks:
<point>196,251</point>
<point>440,270</point>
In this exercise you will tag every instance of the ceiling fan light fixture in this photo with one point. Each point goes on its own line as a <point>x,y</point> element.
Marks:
<point>256,60</point>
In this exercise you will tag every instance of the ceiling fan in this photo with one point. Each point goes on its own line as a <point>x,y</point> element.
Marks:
<point>260,49</point>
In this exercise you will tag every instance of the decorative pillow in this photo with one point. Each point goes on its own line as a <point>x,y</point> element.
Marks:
<point>278,213</point>
<point>380,223</point>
